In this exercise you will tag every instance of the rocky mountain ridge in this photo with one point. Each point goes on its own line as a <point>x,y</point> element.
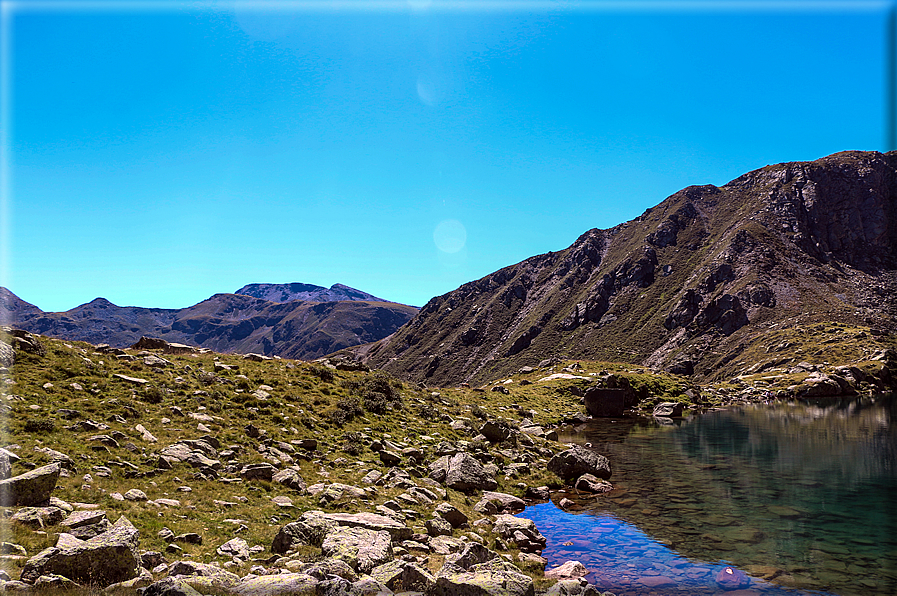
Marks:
<point>307,292</point>
<point>224,322</point>
<point>693,285</point>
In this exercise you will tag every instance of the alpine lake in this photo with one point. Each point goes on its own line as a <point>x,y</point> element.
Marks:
<point>786,498</point>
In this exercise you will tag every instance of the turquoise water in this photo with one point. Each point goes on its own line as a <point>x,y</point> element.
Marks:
<point>799,497</point>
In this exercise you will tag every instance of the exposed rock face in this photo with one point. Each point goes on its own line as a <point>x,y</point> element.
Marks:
<point>306,292</point>
<point>30,488</point>
<point>692,280</point>
<point>106,559</point>
<point>575,462</point>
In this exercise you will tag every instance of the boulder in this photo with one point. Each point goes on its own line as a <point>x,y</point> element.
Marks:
<point>369,521</point>
<point>484,583</point>
<point>575,462</point>
<point>198,454</point>
<point>290,478</point>
<point>236,548</point>
<point>170,586</point>
<point>521,531</point>
<point>310,529</point>
<point>321,570</point>
<point>31,488</point>
<point>360,548</point>
<point>106,559</point>
<point>403,576</point>
<point>504,501</point>
<point>669,409</point>
<point>451,514</point>
<point>437,526</point>
<point>283,584</point>
<point>496,431</point>
<point>462,472</point>
<point>38,517</point>
<point>204,576</point>
<point>590,484</point>
<point>569,570</point>
<point>260,471</point>
<point>605,403</point>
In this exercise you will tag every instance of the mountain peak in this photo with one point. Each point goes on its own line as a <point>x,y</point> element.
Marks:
<point>307,292</point>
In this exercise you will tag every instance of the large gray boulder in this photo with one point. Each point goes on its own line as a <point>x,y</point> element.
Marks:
<point>403,576</point>
<point>360,548</point>
<point>32,488</point>
<point>106,559</point>
<point>521,531</point>
<point>369,521</point>
<point>484,583</point>
<point>310,529</point>
<point>574,462</point>
<point>198,454</point>
<point>204,577</point>
<point>284,584</point>
<point>462,472</point>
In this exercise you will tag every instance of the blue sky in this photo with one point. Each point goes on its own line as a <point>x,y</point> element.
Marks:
<point>157,153</point>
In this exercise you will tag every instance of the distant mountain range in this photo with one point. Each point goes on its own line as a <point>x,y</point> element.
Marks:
<point>700,284</point>
<point>290,320</point>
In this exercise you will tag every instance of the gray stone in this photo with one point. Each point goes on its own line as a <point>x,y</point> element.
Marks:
<point>404,576</point>
<point>591,484</point>
<point>31,488</point>
<point>484,583</point>
<point>284,584</point>
<point>462,472</point>
<point>260,471</point>
<point>669,409</point>
<point>360,548</point>
<point>170,586</point>
<point>291,478</point>
<point>320,570</point>
<point>38,517</point>
<point>235,547</point>
<point>438,526</point>
<point>575,462</point>
<point>569,570</point>
<point>451,514</point>
<point>521,531</point>
<point>504,501</point>
<point>370,521</point>
<point>106,559</point>
<point>496,431</point>
<point>204,577</point>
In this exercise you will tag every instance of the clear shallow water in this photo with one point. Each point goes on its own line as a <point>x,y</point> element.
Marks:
<point>802,497</point>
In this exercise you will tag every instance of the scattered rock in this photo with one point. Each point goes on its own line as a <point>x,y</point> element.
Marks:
<point>30,488</point>
<point>575,462</point>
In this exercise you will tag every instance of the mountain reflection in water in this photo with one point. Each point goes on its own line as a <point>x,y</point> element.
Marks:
<point>800,494</point>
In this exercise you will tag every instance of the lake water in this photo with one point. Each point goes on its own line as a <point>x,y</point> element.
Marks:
<point>799,497</point>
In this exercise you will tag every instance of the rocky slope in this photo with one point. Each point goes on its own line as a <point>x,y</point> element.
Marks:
<point>241,475</point>
<point>224,322</point>
<point>695,285</point>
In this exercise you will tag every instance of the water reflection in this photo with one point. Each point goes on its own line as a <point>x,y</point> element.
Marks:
<point>800,494</point>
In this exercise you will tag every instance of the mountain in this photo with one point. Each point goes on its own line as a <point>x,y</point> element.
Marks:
<point>700,284</point>
<point>225,323</point>
<point>307,292</point>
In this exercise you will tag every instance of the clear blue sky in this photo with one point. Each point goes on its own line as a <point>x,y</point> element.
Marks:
<point>157,153</point>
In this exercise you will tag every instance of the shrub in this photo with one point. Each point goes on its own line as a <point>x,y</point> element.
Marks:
<point>152,395</point>
<point>322,372</point>
<point>39,426</point>
<point>353,443</point>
